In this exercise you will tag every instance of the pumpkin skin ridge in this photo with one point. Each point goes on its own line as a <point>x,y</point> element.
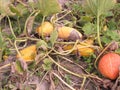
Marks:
<point>110,70</point>
<point>110,58</point>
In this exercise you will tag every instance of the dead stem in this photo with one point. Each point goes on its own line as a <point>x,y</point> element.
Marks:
<point>63,81</point>
<point>81,76</point>
<point>43,77</point>
<point>69,51</point>
<point>75,74</point>
<point>37,61</point>
<point>83,83</point>
<point>95,63</point>
<point>74,63</point>
<point>6,65</point>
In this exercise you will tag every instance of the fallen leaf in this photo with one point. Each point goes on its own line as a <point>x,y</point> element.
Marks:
<point>30,24</point>
<point>114,46</point>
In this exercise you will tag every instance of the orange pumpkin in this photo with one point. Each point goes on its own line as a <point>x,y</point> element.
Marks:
<point>109,65</point>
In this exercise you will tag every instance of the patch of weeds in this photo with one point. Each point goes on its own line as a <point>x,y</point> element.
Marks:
<point>67,78</point>
<point>112,24</point>
<point>31,65</point>
<point>6,51</point>
<point>76,59</point>
<point>47,64</point>
<point>109,36</point>
<point>56,80</point>
<point>3,50</point>
<point>77,9</point>
<point>89,60</point>
<point>117,15</point>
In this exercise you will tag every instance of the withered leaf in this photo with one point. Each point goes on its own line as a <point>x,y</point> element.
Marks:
<point>74,35</point>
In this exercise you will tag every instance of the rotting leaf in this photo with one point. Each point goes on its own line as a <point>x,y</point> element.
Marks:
<point>53,37</point>
<point>69,33</point>
<point>113,46</point>
<point>30,24</point>
<point>74,35</point>
<point>49,7</point>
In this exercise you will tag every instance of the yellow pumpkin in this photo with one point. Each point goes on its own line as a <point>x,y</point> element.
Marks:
<point>68,33</point>
<point>84,51</point>
<point>45,29</point>
<point>28,53</point>
<point>80,49</point>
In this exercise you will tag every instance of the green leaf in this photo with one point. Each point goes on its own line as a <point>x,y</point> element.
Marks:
<point>19,67</point>
<point>89,28</point>
<point>4,8</point>
<point>113,35</point>
<point>105,40</point>
<point>112,25</point>
<point>33,4</point>
<point>47,64</point>
<point>86,18</point>
<point>49,7</point>
<point>41,43</point>
<point>100,7</point>
<point>17,9</point>
<point>53,37</point>
<point>109,36</point>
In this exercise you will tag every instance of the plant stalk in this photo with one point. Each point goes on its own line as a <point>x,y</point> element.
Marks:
<point>98,31</point>
<point>11,28</point>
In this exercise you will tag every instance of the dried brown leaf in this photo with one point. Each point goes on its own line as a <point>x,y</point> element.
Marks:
<point>113,46</point>
<point>74,35</point>
<point>30,24</point>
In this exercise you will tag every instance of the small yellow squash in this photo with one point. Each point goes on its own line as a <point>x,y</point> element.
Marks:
<point>80,49</point>
<point>28,53</point>
<point>69,33</point>
<point>45,29</point>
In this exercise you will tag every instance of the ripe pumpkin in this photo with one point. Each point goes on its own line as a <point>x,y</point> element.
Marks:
<point>68,33</point>
<point>28,53</point>
<point>109,65</point>
<point>80,49</point>
<point>45,29</point>
<point>84,51</point>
